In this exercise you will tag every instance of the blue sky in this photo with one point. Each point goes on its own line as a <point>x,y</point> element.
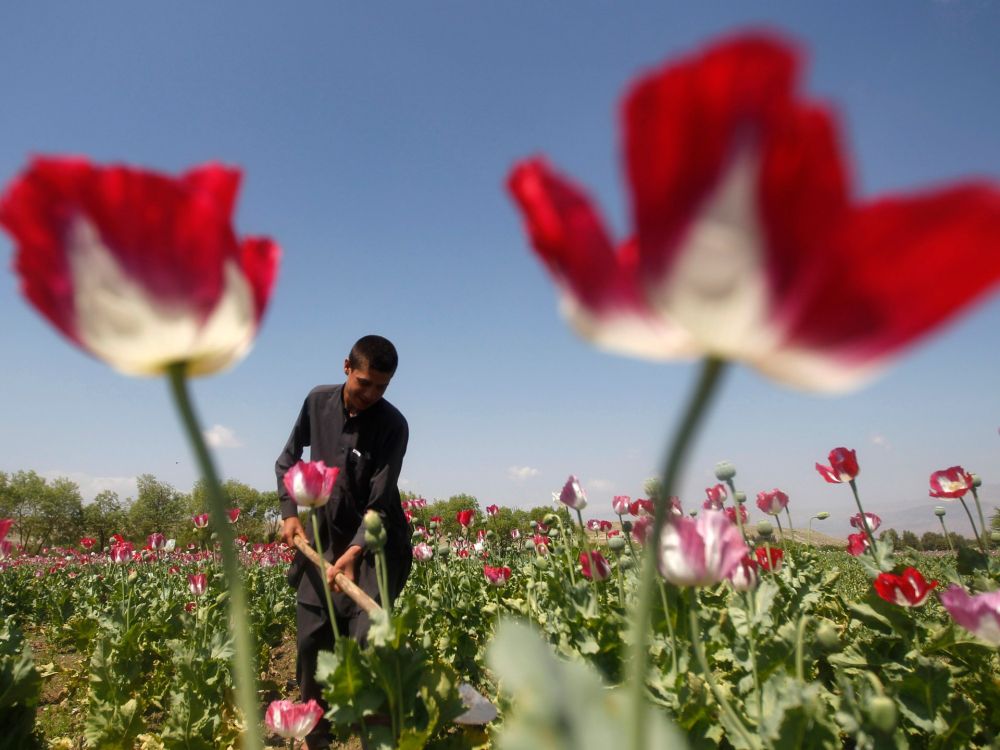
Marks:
<point>375,140</point>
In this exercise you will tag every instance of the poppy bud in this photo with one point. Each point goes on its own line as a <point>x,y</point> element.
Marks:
<point>550,519</point>
<point>372,521</point>
<point>443,550</point>
<point>828,637</point>
<point>616,544</point>
<point>724,471</point>
<point>626,563</point>
<point>882,712</point>
<point>939,511</point>
<point>765,530</point>
<point>822,515</point>
<point>541,562</point>
<point>740,497</point>
<point>977,481</point>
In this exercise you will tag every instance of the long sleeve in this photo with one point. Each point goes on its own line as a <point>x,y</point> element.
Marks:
<point>290,455</point>
<point>383,497</point>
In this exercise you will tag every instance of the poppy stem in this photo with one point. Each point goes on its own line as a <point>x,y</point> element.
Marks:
<point>709,378</point>
<point>974,532</point>
<point>239,616</point>
<point>947,537</point>
<point>864,524</point>
<point>322,572</point>
<point>982,521</point>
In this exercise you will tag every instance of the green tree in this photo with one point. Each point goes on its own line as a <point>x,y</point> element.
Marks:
<point>909,539</point>
<point>158,507</point>
<point>61,513</point>
<point>103,517</point>
<point>260,514</point>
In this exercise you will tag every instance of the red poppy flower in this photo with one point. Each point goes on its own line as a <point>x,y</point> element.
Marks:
<point>140,269</point>
<point>748,242</point>
<point>843,466</point>
<point>464,517</point>
<point>857,544</point>
<point>907,590</point>
<point>951,483</point>
<point>769,563</point>
<point>595,567</point>
<point>496,576</point>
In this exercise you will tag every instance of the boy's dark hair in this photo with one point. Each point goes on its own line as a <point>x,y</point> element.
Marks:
<point>375,353</point>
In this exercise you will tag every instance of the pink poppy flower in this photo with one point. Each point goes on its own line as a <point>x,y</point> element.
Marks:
<point>156,541</point>
<point>857,544</point>
<point>744,223</point>
<point>909,589</point>
<point>620,504</point>
<point>873,521</point>
<point>593,525</point>
<point>496,576</point>
<point>408,515</point>
<point>234,515</point>
<point>843,466</point>
<point>744,576</point>
<point>515,534</point>
<point>979,614</point>
<point>595,566</point>
<point>88,542</point>
<point>642,529</point>
<point>423,552</point>
<point>5,524</point>
<point>699,552</point>
<point>292,720</point>
<point>769,562</point>
<point>716,497</point>
<point>197,583</point>
<point>572,494</point>
<point>605,526</point>
<point>772,502</point>
<point>310,483</point>
<point>492,510</point>
<point>464,517</point>
<point>200,521</point>
<point>122,552</point>
<point>541,544</point>
<point>951,483</point>
<point>99,245</point>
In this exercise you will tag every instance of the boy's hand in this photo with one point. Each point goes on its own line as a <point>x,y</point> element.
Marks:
<point>347,564</point>
<point>290,528</point>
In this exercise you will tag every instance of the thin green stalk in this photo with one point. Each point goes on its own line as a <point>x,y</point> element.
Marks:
<point>752,640</point>
<point>864,522</point>
<point>590,560</point>
<point>239,617</point>
<point>974,532</point>
<point>791,530</point>
<point>946,536</point>
<point>800,671</point>
<point>628,539</point>
<point>707,384</point>
<point>720,697</point>
<point>380,576</point>
<point>621,583</point>
<point>322,573</point>
<point>982,521</point>
<point>670,628</point>
<point>780,529</point>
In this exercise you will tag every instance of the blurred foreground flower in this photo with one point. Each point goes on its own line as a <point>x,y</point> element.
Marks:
<point>748,243</point>
<point>594,566</point>
<point>139,269</point>
<point>310,483</point>
<point>699,552</point>
<point>979,614</point>
<point>909,589</point>
<point>292,720</point>
<point>572,494</point>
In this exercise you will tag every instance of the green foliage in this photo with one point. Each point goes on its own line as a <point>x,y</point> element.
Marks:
<point>20,689</point>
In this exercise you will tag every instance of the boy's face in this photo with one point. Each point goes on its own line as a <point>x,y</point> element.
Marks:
<point>364,386</point>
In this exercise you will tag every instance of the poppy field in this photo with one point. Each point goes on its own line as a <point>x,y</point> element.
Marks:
<point>755,640</point>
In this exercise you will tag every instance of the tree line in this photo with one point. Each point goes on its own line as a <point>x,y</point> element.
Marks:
<point>52,513</point>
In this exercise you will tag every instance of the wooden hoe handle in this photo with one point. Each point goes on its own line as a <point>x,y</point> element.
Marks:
<point>346,585</point>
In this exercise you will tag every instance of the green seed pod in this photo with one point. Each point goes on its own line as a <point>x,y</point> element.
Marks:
<point>490,534</point>
<point>626,563</point>
<point>372,521</point>
<point>443,550</point>
<point>550,519</point>
<point>828,637</point>
<point>432,525</point>
<point>977,481</point>
<point>740,496</point>
<point>375,539</point>
<point>616,543</point>
<point>765,530</point>
<point>724,471</point>
<point>995,537</point>
<point>822,515</point>
<point>939,511</point>
<point>553,533</point>
<point>882,712</point>
<point>541,562</point>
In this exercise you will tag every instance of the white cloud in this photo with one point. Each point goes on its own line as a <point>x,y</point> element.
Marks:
<point>220,436</point>
<point>91,486</point>
<point>881,440</point>
<point>520,473</point>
